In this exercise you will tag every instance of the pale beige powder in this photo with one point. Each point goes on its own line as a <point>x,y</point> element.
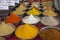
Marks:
<point>6,29</point>
<point>49,20</point>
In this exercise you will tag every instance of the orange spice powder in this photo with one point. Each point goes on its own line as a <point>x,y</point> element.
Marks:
<point>13,19</point>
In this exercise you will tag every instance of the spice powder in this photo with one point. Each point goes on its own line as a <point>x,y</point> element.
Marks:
<point>50,34</point>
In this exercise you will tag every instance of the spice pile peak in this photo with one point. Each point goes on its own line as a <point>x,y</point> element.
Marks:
<point>33,11</point>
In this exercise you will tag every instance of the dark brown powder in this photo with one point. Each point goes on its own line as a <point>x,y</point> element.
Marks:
<point>51,34</point>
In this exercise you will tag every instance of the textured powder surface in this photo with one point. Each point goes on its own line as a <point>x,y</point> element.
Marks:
<point>33,11</point>
<point>49,11</point>
<point>26,31</point>
<point>6,29</point>
<point>31,19</point>
<point>13,19</point>
<point>51,34</point>
<point>19,10</point>
<point>49,20</point>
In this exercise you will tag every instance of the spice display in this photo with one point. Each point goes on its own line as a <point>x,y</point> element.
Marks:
<point>49,20</point>
<point>49,11</point>
<point>22,20</point>
<point>13,19</point>
<point>6,29</point>
<point>50,34</point>
<point>26,31</point>
<point>1,38</point>
<point>28,20</point>
<point>33,11</point>
<point>19,10</point>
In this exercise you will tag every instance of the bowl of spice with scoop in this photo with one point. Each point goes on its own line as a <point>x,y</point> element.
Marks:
<point>50,33</point>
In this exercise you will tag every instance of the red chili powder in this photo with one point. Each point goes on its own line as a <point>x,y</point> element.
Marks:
<point>13,19</point>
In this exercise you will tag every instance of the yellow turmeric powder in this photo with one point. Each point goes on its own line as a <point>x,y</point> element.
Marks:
<point>50,34</point>
<point>33,11</point>
<point>19,10</point>
<point>26,31</point>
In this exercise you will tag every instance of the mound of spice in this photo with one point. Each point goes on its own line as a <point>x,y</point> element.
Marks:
<point>49,11</point>
<point>19,10</point>
<point>49,20</point>
<point>6,29</point>
<point>28,20</point>
<point>13,19</point>
<point>33,11</point>
<point>50,34</point>
<point>26,31</point>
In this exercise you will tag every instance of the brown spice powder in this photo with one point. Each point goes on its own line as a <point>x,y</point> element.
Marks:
<point>51,34</point>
